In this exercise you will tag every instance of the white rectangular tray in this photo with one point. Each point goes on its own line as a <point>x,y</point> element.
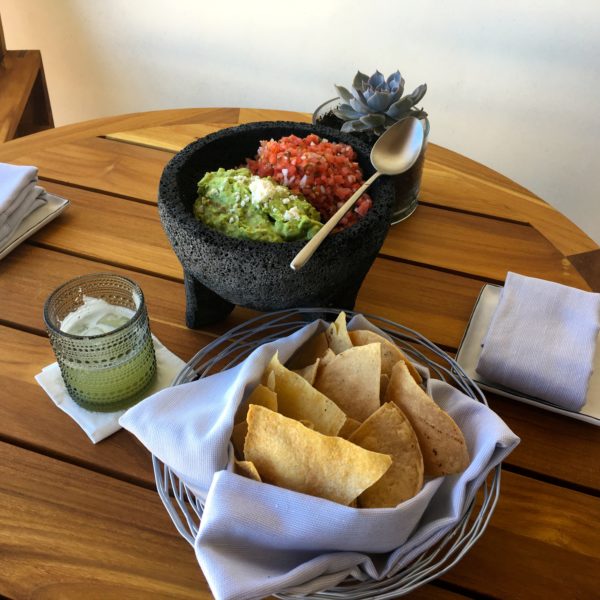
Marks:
<point>470,349</point>
<point>36,220</point>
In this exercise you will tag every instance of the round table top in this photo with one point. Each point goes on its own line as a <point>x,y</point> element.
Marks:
<point>66,504</point>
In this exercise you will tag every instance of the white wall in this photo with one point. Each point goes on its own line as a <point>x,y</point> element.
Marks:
<point>513,84</point>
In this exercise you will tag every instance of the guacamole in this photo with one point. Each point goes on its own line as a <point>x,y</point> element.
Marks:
<point>243,205</point>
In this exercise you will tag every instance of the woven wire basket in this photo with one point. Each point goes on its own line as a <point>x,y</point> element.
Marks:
<point>185,509</point>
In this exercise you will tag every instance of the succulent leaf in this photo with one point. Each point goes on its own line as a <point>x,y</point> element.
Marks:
<point>346,112</point>
<point>380,101</point>
<point>376,80</point>
<point>350,126</point>
<point>418,94</point>
<point>359,106</point>
<point>400,109</point>
<point>394,79</point>
<point>373,121</point>
<point>360,81</point>
<point>344,93</point>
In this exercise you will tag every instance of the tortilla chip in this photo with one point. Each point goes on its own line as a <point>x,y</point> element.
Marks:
<point>245,468</point>
<point>337,335</point>
<point>289,455</point>
<point>309,372</point>
<point>306,355</point>
<point>327,357</point>
<point>299,400</point>
<point>238,437</point>
<point>270,380</point>
<point>307,424</point>
<point>351,380</point>
<point>348,428</point>
<point>383,385</point>
<point>388,431</point>
<point>442,442</point>
<point>390,353</point>
<point>260,395</point>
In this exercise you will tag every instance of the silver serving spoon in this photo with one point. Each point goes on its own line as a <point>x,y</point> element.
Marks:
<point>396,151</point>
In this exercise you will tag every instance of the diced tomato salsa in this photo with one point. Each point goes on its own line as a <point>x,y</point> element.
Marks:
<point>325,173</point>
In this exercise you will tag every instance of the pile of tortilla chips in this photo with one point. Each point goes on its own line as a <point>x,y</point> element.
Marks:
<point>347,420</point>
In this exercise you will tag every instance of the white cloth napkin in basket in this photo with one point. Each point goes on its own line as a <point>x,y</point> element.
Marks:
<point>256,539</point>
<point>542,340</point>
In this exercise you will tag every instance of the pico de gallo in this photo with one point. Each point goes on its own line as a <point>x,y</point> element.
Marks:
<point>325,173</point>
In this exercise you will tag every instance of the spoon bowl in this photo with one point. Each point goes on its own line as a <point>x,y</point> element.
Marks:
<point>396,151</point>
<point>398,148</point>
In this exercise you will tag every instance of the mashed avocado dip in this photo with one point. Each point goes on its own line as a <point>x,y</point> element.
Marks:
<point>243,205</point>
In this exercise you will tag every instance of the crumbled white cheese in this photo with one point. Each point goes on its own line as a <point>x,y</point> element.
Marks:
<point>260,189</point>
<point>290,214</point>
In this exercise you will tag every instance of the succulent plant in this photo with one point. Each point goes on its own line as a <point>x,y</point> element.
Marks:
<point>375,103</point>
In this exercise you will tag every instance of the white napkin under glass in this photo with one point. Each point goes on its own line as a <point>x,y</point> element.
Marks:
<point>99,425</point>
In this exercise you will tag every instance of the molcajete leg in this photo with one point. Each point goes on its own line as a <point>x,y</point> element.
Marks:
<point>203,306</point>
<point>346,298</point>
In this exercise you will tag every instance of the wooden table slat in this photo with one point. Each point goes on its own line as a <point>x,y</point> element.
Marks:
<point>66,511</point>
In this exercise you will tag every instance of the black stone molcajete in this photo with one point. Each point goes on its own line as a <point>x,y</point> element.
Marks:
<point>222,271</point>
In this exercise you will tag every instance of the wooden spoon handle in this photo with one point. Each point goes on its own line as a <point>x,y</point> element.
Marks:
<point>309,249</point>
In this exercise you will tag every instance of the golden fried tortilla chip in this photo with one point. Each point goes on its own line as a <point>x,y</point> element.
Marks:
<point>326,358</point>
<point>309,372</point>
<point>337,334</point>
<point>299,400</point>
<point>388,431</point>
<point>245,468</point>
<point>238,437</point>
<point>348,428</point>
<point>289,455</point>
<point>260,395</point>
<point>351,380</point>
<point>390,353</point>
<point>442,442</point>
<point>269,378</point>
<point>306,355</point>
<point>383,385</point>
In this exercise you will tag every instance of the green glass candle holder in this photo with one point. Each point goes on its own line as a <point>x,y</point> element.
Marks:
<point>104,369</point>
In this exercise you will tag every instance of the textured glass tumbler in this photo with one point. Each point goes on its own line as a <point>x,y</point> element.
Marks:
<point>107,371</point>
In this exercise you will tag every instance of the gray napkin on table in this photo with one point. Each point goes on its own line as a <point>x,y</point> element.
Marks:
<point>541,340</point>
<point>19,197</point>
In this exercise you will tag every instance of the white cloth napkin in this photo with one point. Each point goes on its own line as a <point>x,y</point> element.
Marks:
<point>19,196</point>
<point>541,340</point>
<point>256,539</point>
<point>99,425</point>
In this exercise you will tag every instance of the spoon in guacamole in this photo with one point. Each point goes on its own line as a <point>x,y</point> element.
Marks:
<point>396,151</point>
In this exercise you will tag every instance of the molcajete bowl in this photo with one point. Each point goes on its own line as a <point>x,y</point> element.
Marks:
<point>221,271</point>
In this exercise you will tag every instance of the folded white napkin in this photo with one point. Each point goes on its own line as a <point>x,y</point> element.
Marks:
<point>256,539</point>
<point>19,196</point>
<point>99,425</point>
<point>541,340</point>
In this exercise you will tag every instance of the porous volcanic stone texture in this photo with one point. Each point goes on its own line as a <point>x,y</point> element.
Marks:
<point>257,274</point>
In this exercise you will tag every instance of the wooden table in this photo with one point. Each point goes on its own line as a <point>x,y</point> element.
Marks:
<point>84,521</point>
